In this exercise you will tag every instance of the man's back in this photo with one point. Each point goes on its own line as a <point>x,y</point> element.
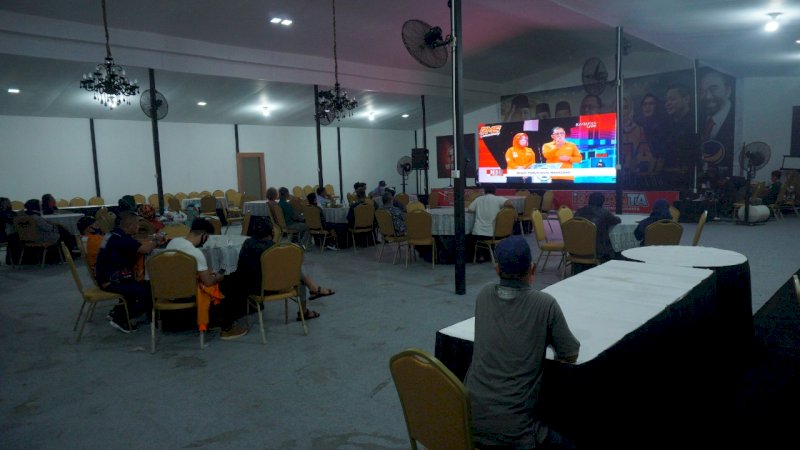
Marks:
<point>486,208</point>
<point>603,220</point>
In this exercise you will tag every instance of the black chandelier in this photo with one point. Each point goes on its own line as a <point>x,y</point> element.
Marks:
<point>334,103</point>
<point>108,81</point>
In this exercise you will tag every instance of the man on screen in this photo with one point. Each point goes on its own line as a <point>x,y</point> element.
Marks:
<point>561,151</point>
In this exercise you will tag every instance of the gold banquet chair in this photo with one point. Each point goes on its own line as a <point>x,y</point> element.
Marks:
<point>208,206</point>
<point>663,232</point>
<point>436,406</point>
<point>386,227</point>
<point>546,247</point>
<point>173,280</point>
<point>280,280</point>
<point>415,206</point>
<point>503,228</point>
<point>580,243</point>
<point>29,238</point>
<point>403,199</point>
<point>96,201</point>
<point>77,201</point>
<point>532,203</point>
<point>314,224</point>
<point>364,219</point>
<point>174,230</point>
<point>699,230</point>
<point>91,295</point>
<point>419,232</point>
<point>564,213</point>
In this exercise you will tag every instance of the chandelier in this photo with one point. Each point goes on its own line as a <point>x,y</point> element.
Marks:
<point>334,103</point>
<point>108,82</point>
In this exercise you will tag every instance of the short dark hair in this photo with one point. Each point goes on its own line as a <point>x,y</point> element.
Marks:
<point>126,216</point>
<point>33,205</point>
<point>382,183</point>
<point>283,191</point>
<point>387,197</point>
<point>311,197</point>
<point>597,199</point>
<point>489,189</point>
<point>776,173</point>
<point>272,193</point>
<point>201,225</point>
<point>320,190</point>
<point>260,228</point>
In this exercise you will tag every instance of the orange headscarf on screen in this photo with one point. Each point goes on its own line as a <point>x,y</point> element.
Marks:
<point>518,155</point>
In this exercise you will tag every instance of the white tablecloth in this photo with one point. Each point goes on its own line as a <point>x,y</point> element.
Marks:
<point>335,215</point>
<point>685,256</point>
<point>221,202</point>
<point>256,208</point>
<point>68,221</point>
<point>443,223</point>
<point>622,237</point>
<point>518,201</point>
<point>605,303</point>
<point>221,251</point>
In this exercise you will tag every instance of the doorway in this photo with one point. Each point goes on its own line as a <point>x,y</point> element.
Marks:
<point>251,174</point>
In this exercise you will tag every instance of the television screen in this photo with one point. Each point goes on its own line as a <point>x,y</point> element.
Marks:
<point>529,152</point>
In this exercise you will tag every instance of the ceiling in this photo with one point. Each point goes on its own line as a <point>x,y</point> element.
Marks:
<point>228,55</point>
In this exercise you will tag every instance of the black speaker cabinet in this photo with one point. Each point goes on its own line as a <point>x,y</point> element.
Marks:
<point>419,158</point>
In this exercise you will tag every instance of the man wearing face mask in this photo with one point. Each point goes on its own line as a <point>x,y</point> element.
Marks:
<point>198,235</point>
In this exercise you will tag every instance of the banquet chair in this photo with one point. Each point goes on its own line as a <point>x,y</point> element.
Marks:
<point>433,201</point>
<point>152,200</point>
<point>173,284</point>
<point>204,193</point>
<point>543,243</point>
<point>96,201</point>
<point>218,193</point>
<point>699,230</point>
<point>180,196</point>
<point>776,207</point>
<point>419,232</point>
<point>62,203</point>
<point>230,195</point>
<point>208,206</point>
<point>77,201</point>
<point>386,227</point>
<point>663,232</point>
<point>174,204</point>
<point>139,199</point>
<point>193,194</point>
<point>91,295</point>
<point>29,238</point>
<point>436,406</point>
<point>547,208</point>
<point>245,223</point>
<point>174,230</point>
<point>351,198</point>
<point>297,191</point>
<point>330,190</point>
<point>364,219</point>
<point>532,203</point>
<point>675,213</point>
<point>402,198</point>
<point>415,206</point>
<point>230,220</point>
<point>280,280</point>
<point>523,193</point>
<point>564,213</point>
<point>298,205</point>
<point>215,222</point>
<point>281,229</point>
<point>235,205</point>
<point>105,219</point>
<point>307,189</point>
<point>17,205</point>
<point>503,228</point>
<point>314,224</point>
<point>580,243</point>
<point>145,230</point>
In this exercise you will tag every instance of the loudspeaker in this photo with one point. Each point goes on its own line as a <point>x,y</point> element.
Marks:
<point>419,158</point>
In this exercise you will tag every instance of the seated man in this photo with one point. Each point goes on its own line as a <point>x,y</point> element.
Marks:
<point>603,219</point>
<point>49,232</point>
<point>514,324</point>
<point>771,196</point>
<point>294,221</point>
<point>398,221</point>
<point>486,208</point>
<point>312,199</point>
<point>116,267</point>
<point>198,235</point>
<point>378,191</point>
<point>323,198</point>
<point>249,268</point>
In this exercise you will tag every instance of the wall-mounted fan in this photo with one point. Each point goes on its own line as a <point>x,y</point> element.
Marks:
<point>162,107</point>
<point>425,43</point>
<point>754,156</point>
<point>594,76</point>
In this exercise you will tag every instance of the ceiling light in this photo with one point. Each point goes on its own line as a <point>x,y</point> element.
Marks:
<point>108,82</point>
<point>201,103</point>
<point>275,20</point>
<point>404,116</point>
<point>265,111</point>
<point>773,24</point>
<point>797,41</point>
<point>371,116</point>
<point>13,91</point>
<point>286,22</point>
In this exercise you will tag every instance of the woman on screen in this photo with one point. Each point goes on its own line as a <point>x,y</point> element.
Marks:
<point>519,155</point>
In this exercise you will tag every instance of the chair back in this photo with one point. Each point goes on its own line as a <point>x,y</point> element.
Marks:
<point>663,232</point>
<point>208,205</point>
<point>280,267</point>
<point>547,201</point>
<point>418,225</point>
<point>415,206</point>
<point>297,191</point>
<point>329,189</point>
<point>230,195</point>
<point>139,199</point>
<point>61,203</point>
<point>246,223</point>
<point>77,201</point>
<point>564,214</point>
<point>26,228</point>
<point>95,201</point>
<point>538,226</point>
<point>673,211</point>
<point>244,198</point>
<point>194,194</point>
<point>180,196</point>
<point>433,200</point>
<point>307,189</point>
<point>152,200</point>
<point>351,197</point>
<point>218,193</point>
<point>402,198</point>
<point>17,205</point>
<point>298,204</point>
<point>72,268</point>
<point>215,223</point>
<point>532,202</point>
<point>699,230</point>
<point>580,237</point>
<point>504,222</point>
<point>145,228</point>
<point>436,406</point>
<point>173,275</point>
<point>313,218</point>
<point>364,215</point>
<point>277,215</point>
<point>522,193</point>
<point>174,204</point>
<point>174,230</point>
<point>105,219</point>
<point>385,223</point>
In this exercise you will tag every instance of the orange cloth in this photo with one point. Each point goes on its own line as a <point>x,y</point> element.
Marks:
<point>206,295</point>
<point>138,268</point>
<point>519,156</point>
<point>93,242</point>
<point>552,153</point>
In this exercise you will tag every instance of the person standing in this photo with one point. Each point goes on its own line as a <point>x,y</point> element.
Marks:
<point>514,325</point>
<point>486,208</point>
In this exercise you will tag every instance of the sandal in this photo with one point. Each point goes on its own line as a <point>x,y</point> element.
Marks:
<point>308,314</point>
<point>321,292</point>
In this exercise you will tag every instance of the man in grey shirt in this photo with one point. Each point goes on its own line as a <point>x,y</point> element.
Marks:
<point>514,325</point>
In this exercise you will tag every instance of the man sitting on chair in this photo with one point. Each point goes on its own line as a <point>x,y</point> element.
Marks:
<point>514,324</point>
<point>603,220</point>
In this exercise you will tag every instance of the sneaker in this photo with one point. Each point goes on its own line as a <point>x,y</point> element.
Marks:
<point>332,248</point>
<point>234,332</point>
<point>121,326</point>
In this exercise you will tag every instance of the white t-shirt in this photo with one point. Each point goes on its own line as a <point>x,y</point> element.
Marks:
<point>187,247</point>
<point>486,208</point>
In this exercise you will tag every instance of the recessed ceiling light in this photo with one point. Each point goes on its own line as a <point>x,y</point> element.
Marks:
<point>281,21</point>
<point>797,41</point>
<point>275,20</point>
<point>773,24</point>
<point>201,103</point>
<point>265,111</point>
<point>13,91</point>
<point>404,116</point>
<point>371,116</point>
<point>286,22</point>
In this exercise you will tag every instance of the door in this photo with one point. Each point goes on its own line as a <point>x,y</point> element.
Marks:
<point>251,174</point>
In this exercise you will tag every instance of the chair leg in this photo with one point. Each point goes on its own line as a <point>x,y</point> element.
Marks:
<point>380,253</point>
<point>83,324</point>
<point>261,323</point>
<point>491,253</point>
<point>153,331</point>
<point>408,251</point>
<point>433,254</point>
<point>44,253</point>
<point>80,314</point>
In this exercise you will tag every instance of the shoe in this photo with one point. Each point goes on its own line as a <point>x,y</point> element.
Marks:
<point>233,332</point>
<point>124,327</point>
<point>332,248</point>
